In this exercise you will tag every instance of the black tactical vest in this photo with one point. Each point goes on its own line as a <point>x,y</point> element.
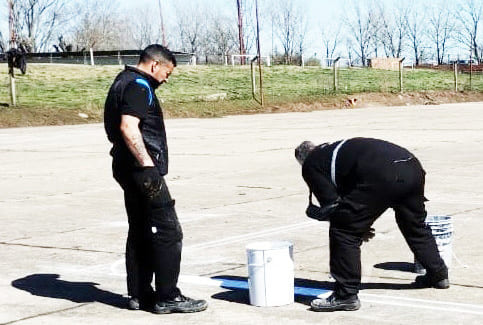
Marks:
<point>152,127</point>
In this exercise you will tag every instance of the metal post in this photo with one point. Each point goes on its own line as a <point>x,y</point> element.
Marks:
<point>471,72</point>
<point>401,89</point>
<point>253,78</point>
<point>334,69</point>
<point>456,76</point>
<point>259,55</point>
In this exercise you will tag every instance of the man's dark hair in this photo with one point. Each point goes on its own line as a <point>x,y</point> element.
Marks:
<point>158,53</point>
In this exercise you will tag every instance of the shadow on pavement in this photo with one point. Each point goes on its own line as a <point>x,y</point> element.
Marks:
<point>396,266</point>
<point>305,289</point>
<point>49,285</point>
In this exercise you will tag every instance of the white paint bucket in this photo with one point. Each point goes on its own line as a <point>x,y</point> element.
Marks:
<point>270,273</point>
<point>442,229</point>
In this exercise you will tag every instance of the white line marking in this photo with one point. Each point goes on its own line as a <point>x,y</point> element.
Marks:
<point>243,237</point>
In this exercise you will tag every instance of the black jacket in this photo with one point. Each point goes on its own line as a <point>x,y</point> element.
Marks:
<point>362,163</point>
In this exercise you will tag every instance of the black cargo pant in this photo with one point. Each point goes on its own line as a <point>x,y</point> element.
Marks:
<point>401,187</point>
<point>154,240</point>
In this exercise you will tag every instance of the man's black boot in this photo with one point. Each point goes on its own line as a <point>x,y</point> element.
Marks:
<point>180,304</point>
<point>333,303</point>
<point>424,281</point>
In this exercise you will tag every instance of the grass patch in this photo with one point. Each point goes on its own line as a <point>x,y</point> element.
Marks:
<point>70,89</point>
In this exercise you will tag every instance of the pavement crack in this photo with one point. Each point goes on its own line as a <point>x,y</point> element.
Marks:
<point>60,248</point>
<point>45,314</point>
<point>253,201</point>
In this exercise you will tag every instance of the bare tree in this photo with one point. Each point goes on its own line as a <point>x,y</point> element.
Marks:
<point>416,29</point>
<point>249,25</point>
<point>469,15</point>
<point>221,36</point>
<point>330,39</point>
<point>441,28</point>
<point>143,31</point>
<point>191,23</point>
<point>392,28</point>
<point>289,23</point>
<point>3,47</point>
<point>38,21</point>
<point>361,29</point>
<point>99,26</point>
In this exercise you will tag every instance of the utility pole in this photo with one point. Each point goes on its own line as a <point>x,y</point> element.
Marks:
<point>12,43</point>
<point>162,24</point>
<point>259,56</point>
<point>239,4</point>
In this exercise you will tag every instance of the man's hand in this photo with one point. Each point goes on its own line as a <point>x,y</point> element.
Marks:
<point>148,181</point>
<point>369,234</point>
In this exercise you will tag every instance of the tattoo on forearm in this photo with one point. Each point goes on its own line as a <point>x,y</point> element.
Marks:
<point>135,143</point>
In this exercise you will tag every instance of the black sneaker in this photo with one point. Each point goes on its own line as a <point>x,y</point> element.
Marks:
<point>333,303</point>
<point>180,304</point>
<point>424,281</point>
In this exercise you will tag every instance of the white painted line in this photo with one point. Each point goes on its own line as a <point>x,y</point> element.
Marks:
<point>243,237</point>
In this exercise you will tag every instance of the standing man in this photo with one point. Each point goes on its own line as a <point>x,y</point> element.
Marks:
<point>355,181</point>
<point>133,120</point>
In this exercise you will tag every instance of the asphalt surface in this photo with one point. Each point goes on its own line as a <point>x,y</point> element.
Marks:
<point>235,181</point>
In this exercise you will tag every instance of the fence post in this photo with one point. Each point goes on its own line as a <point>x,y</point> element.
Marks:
<point>401,89</point>
<point>13,93</point>
<point>456,76</point>
<point>471,72</point>
<point>302,59</point>
<point>92,56</point>
<point>334,68</point>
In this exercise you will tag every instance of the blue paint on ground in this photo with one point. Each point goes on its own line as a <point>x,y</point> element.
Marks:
<point>298,291</point>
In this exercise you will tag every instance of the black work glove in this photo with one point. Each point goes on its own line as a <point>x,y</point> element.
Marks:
<point>320,213</point>
<point>369,234</point>
<point>148,181</point>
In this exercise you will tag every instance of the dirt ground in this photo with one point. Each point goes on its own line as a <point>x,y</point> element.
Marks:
<point>22,116</point>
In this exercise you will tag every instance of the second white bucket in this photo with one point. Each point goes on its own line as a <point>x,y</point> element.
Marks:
<point>442,230</point>
<point>270,273</point>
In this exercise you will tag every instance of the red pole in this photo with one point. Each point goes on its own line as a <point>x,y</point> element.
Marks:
<point>239,4</point>
<point>11,25</point>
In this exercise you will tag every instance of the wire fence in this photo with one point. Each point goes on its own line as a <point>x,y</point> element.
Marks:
<point>213,86</point>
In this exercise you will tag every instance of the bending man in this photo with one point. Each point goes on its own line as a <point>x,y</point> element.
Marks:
<point>355,181</point>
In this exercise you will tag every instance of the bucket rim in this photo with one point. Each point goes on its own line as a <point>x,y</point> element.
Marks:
<point>268,245</point>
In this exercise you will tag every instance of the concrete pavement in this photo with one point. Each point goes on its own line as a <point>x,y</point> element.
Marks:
<point>235,181</point>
